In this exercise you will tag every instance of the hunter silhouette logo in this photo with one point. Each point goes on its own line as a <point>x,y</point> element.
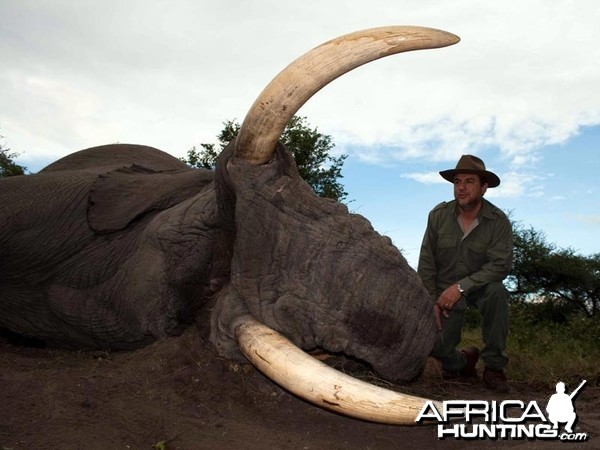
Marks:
<point>560,407</point>
<point>507,419</point>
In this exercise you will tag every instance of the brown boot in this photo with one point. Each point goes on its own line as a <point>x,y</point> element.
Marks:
<point>495,380</point>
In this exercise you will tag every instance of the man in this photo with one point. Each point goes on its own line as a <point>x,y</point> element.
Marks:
<point>465,255</point>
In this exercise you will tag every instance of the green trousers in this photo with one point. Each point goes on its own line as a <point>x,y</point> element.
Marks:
<point>492,302</point>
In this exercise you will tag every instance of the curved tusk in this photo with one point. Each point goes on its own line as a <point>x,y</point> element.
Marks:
<point>283,97</point>
<point>287,365</point>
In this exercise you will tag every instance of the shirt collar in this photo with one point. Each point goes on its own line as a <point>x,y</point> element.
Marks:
<point>487,210</point>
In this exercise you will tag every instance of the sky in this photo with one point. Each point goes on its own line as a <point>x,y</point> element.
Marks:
<point>521,90</point>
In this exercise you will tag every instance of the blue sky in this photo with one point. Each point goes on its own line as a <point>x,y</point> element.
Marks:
<point>559,194</point>
<point>520,90</point>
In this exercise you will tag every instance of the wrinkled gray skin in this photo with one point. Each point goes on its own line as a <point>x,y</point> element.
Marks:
<point>120,245</point>
<point>98,252</point>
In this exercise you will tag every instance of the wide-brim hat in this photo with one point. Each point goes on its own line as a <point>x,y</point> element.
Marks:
<point>471,164</point>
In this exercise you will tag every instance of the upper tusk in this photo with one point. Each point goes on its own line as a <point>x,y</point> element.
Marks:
<point>287,365</point>
<point>283,97</point>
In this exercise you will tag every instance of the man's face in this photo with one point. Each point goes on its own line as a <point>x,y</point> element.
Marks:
<point>468,190</point>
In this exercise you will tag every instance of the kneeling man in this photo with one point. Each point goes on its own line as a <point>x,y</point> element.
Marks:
<point>465,256</point>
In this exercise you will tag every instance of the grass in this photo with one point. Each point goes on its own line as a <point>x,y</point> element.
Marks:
<point>543,352</point>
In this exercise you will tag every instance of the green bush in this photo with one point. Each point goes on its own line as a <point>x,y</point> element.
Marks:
<point>542,350</point>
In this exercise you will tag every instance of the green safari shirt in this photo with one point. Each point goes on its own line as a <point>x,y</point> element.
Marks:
<point>472,259</point>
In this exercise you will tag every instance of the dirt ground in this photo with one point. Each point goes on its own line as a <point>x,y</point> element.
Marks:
<point>177,394</point>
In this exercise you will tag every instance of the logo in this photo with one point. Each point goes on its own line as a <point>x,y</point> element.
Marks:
<point>507,419</point>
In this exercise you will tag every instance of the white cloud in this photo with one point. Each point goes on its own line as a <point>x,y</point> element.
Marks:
<point>425,177</point>
<point>514,184</point>
<point>592,219</point>
<point>169,73</point>
<point>518,183</point>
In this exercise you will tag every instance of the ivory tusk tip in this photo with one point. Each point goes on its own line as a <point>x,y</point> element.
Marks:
<point>442,38</point>
<point>453,39</point>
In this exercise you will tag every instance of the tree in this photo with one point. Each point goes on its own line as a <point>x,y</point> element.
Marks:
<point>310,148</point>
<point>566,281</point>
<point>8,168</point>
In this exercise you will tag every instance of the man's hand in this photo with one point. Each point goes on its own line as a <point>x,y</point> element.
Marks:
<point>446,302</point>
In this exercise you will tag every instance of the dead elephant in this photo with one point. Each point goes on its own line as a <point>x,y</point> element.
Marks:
<point>120,245</point>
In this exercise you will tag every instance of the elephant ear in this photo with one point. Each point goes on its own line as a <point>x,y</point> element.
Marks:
<point>123,195</point>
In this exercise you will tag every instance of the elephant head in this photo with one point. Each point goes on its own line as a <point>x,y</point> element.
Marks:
<point>116,246</point>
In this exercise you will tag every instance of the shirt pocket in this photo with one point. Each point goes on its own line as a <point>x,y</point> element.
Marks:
<point>476,254</point>
<point>447,247</point>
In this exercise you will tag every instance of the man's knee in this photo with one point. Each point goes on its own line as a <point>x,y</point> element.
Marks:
<point>495,292</point>
<point>493,297</point>
<point>495,289</point>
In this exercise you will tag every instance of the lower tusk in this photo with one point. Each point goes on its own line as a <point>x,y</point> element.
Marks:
<point>290,367</point>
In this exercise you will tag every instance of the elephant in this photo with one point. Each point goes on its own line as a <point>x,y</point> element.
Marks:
<point>116,246</point>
